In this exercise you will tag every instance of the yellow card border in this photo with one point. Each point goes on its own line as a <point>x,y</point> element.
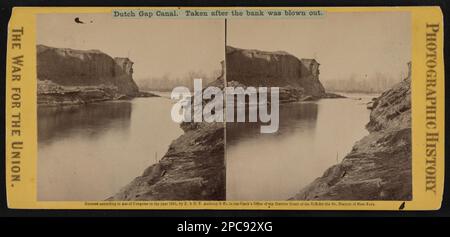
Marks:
<point>22,194</point>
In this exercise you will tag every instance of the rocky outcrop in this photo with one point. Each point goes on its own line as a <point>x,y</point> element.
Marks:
<point>70,67</point>
<point>388,111</point>
<point>69,76</point>
<point>379,165</point>
<point>273,69</point>
<point>192,169</point>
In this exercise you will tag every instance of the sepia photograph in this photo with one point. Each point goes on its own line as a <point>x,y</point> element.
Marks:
<point>213,109</point>
<point>232,111</point>
<point>105,130</point>
<point>344,129</point>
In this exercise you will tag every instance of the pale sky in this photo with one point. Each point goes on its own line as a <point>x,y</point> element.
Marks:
<point>343,43</point>
<point>157,47</point>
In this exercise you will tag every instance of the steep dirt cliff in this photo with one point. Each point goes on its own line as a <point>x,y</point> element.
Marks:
<point>379,165</point>
<point>68,76</point>
<point>70,67</point>
<point>279,69</point>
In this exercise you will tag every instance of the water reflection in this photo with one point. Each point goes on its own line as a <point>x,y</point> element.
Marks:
<point>92,119</point>
<point>292,117</point>
<point>311,137</point>
<point>89,152</point>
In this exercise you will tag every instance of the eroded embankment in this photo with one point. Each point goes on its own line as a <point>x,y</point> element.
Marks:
<point>69,76</point>
<point>379,165</point>
<point>192,169</point>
